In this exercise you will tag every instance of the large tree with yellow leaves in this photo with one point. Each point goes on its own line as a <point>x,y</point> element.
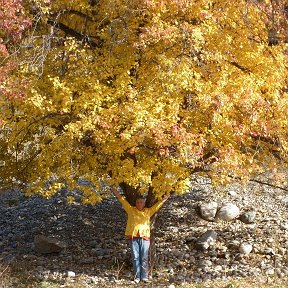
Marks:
<point>144,94</point>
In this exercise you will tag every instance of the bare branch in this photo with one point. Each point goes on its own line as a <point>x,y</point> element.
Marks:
<point>74,12</point>
<point>75,34</point>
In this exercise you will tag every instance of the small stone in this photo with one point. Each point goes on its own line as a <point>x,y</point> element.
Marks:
<point>279,273</point>
<point>94,243</point>
<point>268,251</point>
<point>94,279</point>
<point>234,244</point>
<point>205,263</point>
<point>282,251</point>
<point>270,271</point>
<point>232,193</point>
<point>112,278</point>
<point>206,240</point>
<point>245,248</point>
<point>208,211</point>
<point>285,271</point>
<point>248,217</point>
<point>71,274</point>
<point>228,212</point>
<point>87,260</point>
<point>98,252</point>
<point>172,279</point>
<point>284,226</point>
<point>284,199</point>
<point>218,268</point>
<point>174,230</point>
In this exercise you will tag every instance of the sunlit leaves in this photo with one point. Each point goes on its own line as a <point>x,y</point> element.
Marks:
<point>148,92</point>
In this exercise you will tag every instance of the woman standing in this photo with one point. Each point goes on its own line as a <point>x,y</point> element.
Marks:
<point>138,232</point>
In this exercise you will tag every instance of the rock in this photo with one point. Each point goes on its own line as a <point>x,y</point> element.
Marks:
<point>96,242</point>
<point>47,245</point>
<point>218,268</point>
<point>284,199</point>
<point>187,255</point>
<point>282,251</point>
<point>270,271</point>
<point>207,211</point>
<point>89,260</point>
<point>234,245</point>
<point>228,212</point>
<point>206,240</point>
<point>71,274</point>
<point>248,217</point>
<point>94,279</point>
<point>284,226</point>
<point>99,252</point>
<point>205,263</point>
<point>232,193</point>
<point>190,239</point>
<point>174,230</point>
<point>268,251</point>
<point>245,248</point>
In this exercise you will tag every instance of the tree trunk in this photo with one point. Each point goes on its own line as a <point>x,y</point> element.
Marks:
<point>152,250</point>
<point>150,201</point>
<point>131,193</point>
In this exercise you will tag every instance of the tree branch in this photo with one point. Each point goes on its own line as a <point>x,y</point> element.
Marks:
<point>269,140</point>
<point>268,184</point>
<point>76,34</point>
<point>237,65</point>
<point>265,139</point>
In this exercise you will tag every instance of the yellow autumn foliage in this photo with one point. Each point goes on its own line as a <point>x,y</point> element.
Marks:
<point>147,93</point>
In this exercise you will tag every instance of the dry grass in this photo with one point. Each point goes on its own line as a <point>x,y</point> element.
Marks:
<point>241,283</point>
<point>4,276</point>
<point>16,277</point>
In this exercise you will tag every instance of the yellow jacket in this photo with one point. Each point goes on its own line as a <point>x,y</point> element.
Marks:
<point>139,221</point>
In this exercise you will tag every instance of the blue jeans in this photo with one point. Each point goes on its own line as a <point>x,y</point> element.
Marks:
<point>140,255</point>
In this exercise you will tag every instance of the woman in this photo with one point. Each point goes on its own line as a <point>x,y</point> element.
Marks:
<point>138,232</point>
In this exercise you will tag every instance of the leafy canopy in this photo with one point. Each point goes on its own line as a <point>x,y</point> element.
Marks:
<point>143,94</point>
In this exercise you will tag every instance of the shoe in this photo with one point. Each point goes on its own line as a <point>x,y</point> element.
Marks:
<point>145,280</point>
<point>136,280</point>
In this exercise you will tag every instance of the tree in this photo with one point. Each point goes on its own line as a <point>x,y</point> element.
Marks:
<point>13,23</point>
<point>144,94</point>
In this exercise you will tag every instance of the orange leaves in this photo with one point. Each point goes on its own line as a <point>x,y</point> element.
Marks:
<point>13,22</point>
<point>152,35</point>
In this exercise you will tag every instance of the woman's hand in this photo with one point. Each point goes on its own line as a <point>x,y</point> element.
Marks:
<point>115,192</point>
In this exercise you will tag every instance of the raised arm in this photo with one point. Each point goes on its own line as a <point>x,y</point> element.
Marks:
<point>116,193</point>
<point>121,199</point>
<point>158,205</point>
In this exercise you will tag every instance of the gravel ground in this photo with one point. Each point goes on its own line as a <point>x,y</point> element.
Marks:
<point>97,254</point>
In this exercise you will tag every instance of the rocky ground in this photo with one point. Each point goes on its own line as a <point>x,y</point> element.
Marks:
<point>96,251</point>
